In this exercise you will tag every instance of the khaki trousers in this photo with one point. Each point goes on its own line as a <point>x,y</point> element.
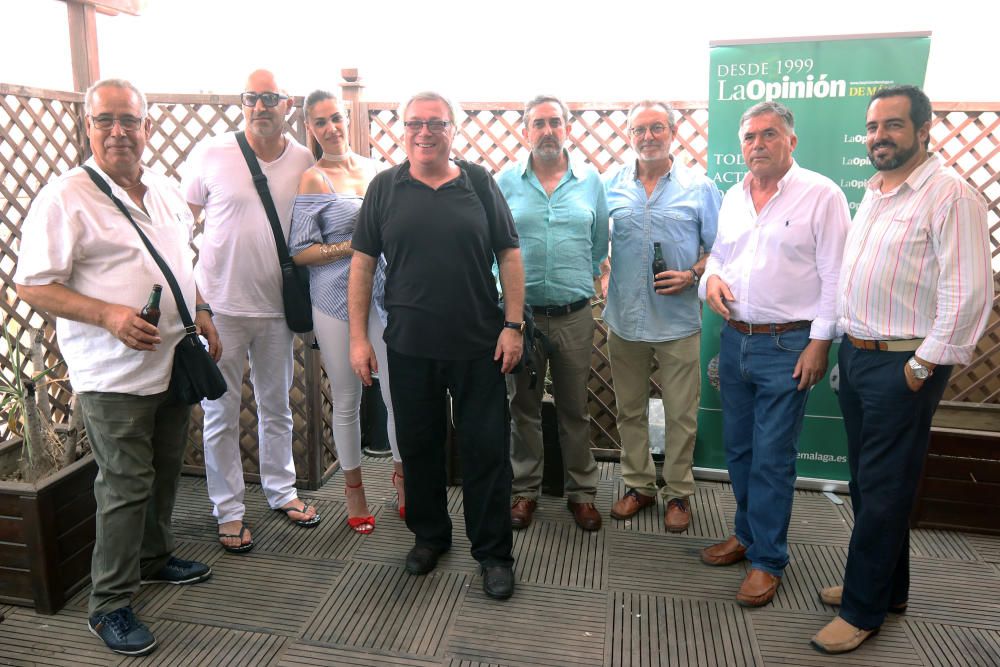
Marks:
<point>570,339</point>
<point>679,376</point>
<point>138,442</point>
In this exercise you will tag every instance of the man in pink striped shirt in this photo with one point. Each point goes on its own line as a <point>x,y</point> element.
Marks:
<point>916,291</point>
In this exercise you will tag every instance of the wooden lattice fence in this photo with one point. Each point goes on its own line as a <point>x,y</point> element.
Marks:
<point>41,135</point>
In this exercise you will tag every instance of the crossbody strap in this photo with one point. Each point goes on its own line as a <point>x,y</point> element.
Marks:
<point>260,182</point>
<point>167,273</point>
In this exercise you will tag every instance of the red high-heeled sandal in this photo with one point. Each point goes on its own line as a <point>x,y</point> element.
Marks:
<point>359,524</point>
<point>402,508</point>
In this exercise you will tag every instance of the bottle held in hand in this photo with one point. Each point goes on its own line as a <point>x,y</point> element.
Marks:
<point>151,311</point>
<point>659,264</point>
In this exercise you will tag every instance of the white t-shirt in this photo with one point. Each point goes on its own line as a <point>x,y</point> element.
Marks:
<point>237,270</point>
<point>75,236</point>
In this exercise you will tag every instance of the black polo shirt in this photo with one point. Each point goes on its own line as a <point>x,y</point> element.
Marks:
<point>440,292</point>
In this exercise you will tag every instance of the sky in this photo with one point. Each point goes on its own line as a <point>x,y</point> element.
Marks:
<point>582,50</point>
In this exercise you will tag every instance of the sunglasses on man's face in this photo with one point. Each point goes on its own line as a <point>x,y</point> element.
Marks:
<point>269,99</point>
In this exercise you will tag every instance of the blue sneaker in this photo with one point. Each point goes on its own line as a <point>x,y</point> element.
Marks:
<point>122,632</point>
<point>179,571</point>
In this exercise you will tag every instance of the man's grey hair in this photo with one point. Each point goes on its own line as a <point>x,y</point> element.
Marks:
<point>671,114</point>
<point>431,96</point>
<point>777,108</point>
<point>543,99</point>
<point>88,98</point>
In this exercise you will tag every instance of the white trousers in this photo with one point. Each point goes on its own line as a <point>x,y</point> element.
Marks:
<point>268,341</point>
<point>335,347</point>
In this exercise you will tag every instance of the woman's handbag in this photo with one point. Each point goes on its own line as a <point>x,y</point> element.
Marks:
<point>194,375</point>
<point>294,279</point>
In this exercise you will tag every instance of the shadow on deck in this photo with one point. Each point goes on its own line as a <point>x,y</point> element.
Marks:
<point>630,594</point>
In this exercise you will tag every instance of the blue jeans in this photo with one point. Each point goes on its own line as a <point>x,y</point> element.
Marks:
<point>762,411</point>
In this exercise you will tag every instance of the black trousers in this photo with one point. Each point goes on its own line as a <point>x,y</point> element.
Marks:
<point>420,388</point>
<point>888,431</point>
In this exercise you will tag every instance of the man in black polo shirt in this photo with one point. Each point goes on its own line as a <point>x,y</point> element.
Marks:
<point>445,332</point>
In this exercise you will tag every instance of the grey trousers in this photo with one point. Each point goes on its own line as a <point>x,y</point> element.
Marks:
<point>570,340</point>
<point>138,442</point>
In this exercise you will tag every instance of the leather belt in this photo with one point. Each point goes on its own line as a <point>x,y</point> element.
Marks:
<point>902,345</point>
<point>559,311</point>
<point>770,329</point>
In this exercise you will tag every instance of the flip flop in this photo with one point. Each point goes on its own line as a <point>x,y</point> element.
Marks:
<point>243,548</point>
<point>305,523</point>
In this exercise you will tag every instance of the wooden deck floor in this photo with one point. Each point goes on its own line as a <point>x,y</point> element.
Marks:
<point>628,595</point>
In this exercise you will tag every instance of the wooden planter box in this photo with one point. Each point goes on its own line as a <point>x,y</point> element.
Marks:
<point>960,488</point>
<point>46,535</point>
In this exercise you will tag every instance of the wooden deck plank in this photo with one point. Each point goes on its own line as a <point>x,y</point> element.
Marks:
<point>954,646</point>
<point>383,608</point>
<point>306,654</point>
<point>27,638</point>
<point>784,637</point>
<point>653,631</point>
<point>668,566</point>
<point>540,625</point>
<point>560,553</point>
<point>630,594</point>
<point>257,592</point>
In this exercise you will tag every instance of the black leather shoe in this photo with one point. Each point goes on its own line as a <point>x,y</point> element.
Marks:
<point>422,559</point>
<point>498,581</point>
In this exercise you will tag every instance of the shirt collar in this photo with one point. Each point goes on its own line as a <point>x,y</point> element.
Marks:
<point>917,178</point>
<point>403,174</point>
<point>118,190</point>
<point>677,172</point>
<point>574,166</point>
<point>785,180</point>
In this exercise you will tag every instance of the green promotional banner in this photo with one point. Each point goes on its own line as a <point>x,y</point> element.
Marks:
<point>826,82</point>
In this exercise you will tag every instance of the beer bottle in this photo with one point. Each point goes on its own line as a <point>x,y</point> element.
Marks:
<point>659,264</point>
<point>151,311</point>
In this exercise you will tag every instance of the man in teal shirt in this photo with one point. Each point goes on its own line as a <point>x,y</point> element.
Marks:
<point>657,317</point>
<point>562,220</point>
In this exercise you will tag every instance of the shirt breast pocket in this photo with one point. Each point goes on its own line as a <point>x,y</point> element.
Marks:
<point>624,225</point>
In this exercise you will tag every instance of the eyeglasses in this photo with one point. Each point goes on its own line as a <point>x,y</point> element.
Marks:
<point>656,130</point>
<point>269,99</point>
<point>107,121</point>
<point>433,126</point>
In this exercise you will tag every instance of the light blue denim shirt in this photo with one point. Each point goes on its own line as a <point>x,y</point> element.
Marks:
<point>564,238</point>
<point>683,215</point>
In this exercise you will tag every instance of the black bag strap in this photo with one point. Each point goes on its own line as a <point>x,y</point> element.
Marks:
<point>477,177</point>
<point>260,182</point>
<point>189,326</point>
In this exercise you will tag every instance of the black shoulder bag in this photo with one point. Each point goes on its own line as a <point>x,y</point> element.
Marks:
<point>194,375</point>
<point>478,176</point>
<point>294,279</point>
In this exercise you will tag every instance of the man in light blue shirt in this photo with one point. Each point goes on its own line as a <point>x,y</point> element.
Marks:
<point>657,200</point>
<point>562,220</point>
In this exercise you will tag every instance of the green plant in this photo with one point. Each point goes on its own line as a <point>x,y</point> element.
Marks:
<point>40,448</point>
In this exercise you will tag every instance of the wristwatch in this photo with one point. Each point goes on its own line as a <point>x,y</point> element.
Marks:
<point>204,307</point>
<point>920,371</point>
<point>514,325</point>
<point>694,274</point>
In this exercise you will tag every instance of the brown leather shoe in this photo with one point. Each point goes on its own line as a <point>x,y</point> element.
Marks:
<point>586,515</point>
<point>724,553</point>
<point>757,589</point>
<point>839,636</point>
<point>678,516</point>
<point>629,504</point>
<point>521,512</point>
<point>832,595</point>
